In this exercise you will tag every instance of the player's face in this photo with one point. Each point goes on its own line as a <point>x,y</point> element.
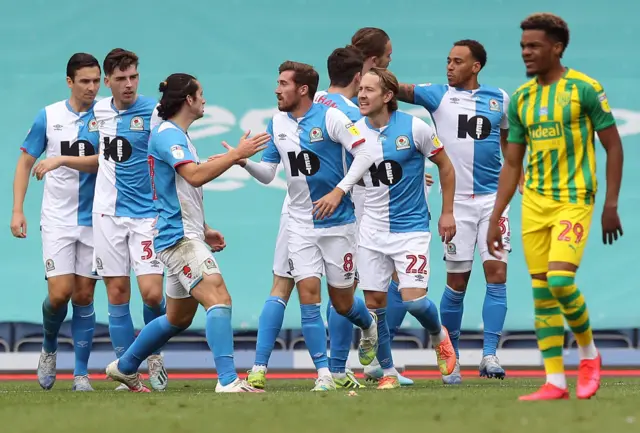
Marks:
<point>461,66</point>
<point>197,103</point>
<point>287,92</point>
<point>371,97</point>
<point>383,62</point>
<point>85,84</point>
<point>124,84</point>
<point>539,52</point>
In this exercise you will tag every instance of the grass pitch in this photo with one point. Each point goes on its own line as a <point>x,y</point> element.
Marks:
<point>192,407</point>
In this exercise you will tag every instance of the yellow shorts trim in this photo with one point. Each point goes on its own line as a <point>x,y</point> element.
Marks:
<point>553,231</point>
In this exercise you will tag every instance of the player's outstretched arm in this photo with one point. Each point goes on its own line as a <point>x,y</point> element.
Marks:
<point>611,225</point>
<point>198,175</point>
<point>406,93</point>
<point>86,164</point>
<point>446,172</point>
<point>263,171</point>
<point>20,184</point>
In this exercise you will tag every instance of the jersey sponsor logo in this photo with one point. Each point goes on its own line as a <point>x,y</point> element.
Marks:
<point>137,124</point>
<point>93,125</point>
<point>403,143</point>
<point>476,127</point>
<point>494,105</point>
<point>177,152</point>
<point>604,102</point>
<point>388,172</point>
<point>304,162</point>
<point>77,148</point>
<point>118,149</point>
<point>315,135</point>
<point>353,130</point>
<point>545,131</point>
<point>563,99</point>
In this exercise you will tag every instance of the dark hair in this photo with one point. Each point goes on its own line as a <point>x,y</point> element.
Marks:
<point>388,82</point>
<point>175,90</point>
<point>343,64</point>
<point>552,25</point>
<point>79,61</point>
<point>304,75</point>
<point>372,41</point>
<point>119,58</point>
<point>477,50</point>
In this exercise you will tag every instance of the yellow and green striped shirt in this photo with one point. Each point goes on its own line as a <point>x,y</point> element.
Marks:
<point>557,122</point>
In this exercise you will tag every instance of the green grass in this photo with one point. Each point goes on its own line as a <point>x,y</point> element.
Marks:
<point>478,406</point>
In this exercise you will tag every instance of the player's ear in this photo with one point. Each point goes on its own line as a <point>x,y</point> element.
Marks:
<point>303,90</point>
<point>106,81</point>
<point>557,49</point>
<point>476,68</point>
<point>69,82</point>
<point>388,96</point>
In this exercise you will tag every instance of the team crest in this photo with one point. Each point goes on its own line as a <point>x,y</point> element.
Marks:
<point>451,248</point>
<point>93,125</point>
<point>403,143</point>
<point>494,105</point>
<point>137,124</point>
<point>50,265</point>
<point>315,135</point>
<point>563,99</point>
<point>209,264</point>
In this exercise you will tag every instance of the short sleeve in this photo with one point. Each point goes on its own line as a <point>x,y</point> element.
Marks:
<point>597,106</point>
<point>516,129</point>
<point>504,122</point>
<point>425,138</point>
<point>171,147</point>
<point>36,141</point>
<point>429,95</point>
<point>342,130</point>
<point>271,153</point>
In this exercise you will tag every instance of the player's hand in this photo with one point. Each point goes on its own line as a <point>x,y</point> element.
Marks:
<point>18,225</point>
<point>247,147</point>
<point>494,240</point>
<point>611,225</point>
<point>447,227</point>
<point>45,166</point>
<point>428,179</point>
<point>215,240</point>
<point>242,162</point>
<point>326,206</point>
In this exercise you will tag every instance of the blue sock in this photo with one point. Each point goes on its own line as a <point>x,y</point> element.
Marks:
<point>384,341</point>
<point>269,326</point>
<point>426,313</point>
<point>396,310</point>
<point>150,313</point>
<point>220,340</point>
<point>494,312</point>
<point>451,309</point>
<point>340,339</point>
<point>51,321</point>
<point>314,334</point>
<point>359,314</point>
<point>120,328</point>
<point>83,323</point>
<point>155,334</point>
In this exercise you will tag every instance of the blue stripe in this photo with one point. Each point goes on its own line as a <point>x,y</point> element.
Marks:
<point>487,162</point>
<point>87,181</point>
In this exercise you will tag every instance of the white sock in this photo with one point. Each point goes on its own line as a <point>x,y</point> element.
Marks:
<point>337,375</point>
<point>438,338</point>
<point>257,368</point>
<point>324,371</point>
<point>557,379</point>
<point>589,351</point>
<point>391,372</point>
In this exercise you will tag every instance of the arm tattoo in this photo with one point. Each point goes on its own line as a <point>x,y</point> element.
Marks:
<point>405,94</point>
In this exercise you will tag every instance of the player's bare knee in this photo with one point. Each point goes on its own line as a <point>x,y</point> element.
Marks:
<point>375,300</point>
<point>151,289</point>
<point>412,293</point>
<point>457,282</point>
<point>211,290</point>
<point>309,291</point>
<point>83,291</point>
<point>282,287</point>
<point>118,289</point>
<point>541,276</point>
<point>180,319</point>
<point>495,272</point>
<point>60,289</point>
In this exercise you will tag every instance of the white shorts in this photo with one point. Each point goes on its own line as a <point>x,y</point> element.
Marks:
<point>67,251</point>
<point>381,252</point>
<point>122,243</point>
<point>317,251</point>
<point>472,216</point>
<point>281,266</point>
<point>187,262</point>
